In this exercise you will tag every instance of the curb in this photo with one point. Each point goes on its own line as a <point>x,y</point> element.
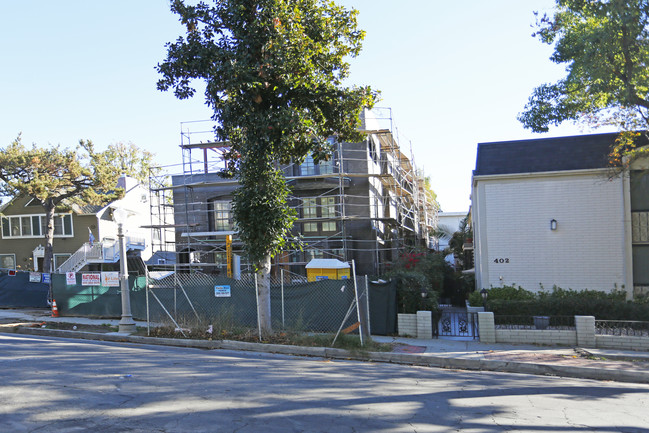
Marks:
<point>628,376</point>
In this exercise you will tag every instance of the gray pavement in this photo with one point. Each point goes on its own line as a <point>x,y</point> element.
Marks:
<point>469,354</point>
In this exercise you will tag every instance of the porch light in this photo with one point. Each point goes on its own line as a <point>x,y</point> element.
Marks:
<point>553,224</point>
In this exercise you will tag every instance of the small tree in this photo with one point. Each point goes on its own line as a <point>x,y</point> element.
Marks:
<point>274,71</point>
<point>605,46</point>
<point>56,177</point>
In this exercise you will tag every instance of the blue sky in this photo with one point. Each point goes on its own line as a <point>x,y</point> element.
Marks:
<point>453,73</point>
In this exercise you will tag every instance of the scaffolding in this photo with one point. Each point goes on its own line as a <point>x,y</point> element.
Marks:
<point>369,203</point>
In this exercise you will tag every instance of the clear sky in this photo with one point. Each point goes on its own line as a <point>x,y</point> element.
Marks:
<point>454,73</point>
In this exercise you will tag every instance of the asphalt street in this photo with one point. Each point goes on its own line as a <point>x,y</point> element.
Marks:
<point>58,385</point>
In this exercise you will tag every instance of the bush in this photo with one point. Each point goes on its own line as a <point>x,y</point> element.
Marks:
<point>560,302</point>
<point>508,293</point>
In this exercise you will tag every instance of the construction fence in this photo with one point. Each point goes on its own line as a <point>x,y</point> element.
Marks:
<point>19,289</point>
<point>186,300</point>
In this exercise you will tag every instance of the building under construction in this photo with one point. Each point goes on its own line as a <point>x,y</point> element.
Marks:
<point>368,203</point>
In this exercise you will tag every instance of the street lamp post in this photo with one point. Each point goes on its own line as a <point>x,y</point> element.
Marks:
<point>126,324</point>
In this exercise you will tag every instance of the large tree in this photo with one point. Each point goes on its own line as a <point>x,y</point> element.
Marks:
<point>58,177</point>
<point>273,71</point>
<point>55,177</point>
<point>605,47</point>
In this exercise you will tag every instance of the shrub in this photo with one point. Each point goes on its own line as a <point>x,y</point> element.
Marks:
<point>562,302</point>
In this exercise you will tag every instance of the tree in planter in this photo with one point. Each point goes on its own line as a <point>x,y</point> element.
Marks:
<point>54,177</point>
<point>273,71</point>
<point>605,46</point>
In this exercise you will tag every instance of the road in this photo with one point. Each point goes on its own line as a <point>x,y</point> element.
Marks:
<point>58,385</point>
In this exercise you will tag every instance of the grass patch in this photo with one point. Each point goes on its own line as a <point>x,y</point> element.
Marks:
<point>294,338</point>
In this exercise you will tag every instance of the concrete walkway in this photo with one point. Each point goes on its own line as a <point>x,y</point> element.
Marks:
<point>588,363</point>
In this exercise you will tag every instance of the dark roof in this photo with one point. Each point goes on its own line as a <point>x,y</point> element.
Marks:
<point>578,152</point>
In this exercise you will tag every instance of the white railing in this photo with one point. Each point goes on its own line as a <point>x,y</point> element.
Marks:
<point>99,252</point>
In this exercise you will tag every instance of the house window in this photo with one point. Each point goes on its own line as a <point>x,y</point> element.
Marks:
<point>328,207</point>
<point>313,254</point>
<point>222,215</point>
<point>309,209</point>
<point>329,226</point>
<point>326,167</point>
<point>310,227</point>
<point>307,168</point>
<point>34,226</point>
<point>8,261</point>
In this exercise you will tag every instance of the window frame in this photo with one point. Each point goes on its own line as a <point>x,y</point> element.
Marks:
<point>13,257</point>
<point>63,226</point>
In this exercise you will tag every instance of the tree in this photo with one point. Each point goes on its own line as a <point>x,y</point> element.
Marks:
<point>128,159</point>
<point>54,177</point>
<point>605,46</point>
<point>273,71</point>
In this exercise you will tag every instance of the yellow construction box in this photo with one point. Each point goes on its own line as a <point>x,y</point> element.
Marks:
<point>327,269</point>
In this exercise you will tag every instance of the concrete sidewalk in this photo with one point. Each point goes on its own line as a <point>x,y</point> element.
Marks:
<point>588,363</point>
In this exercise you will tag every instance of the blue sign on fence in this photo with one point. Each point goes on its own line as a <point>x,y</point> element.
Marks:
<point>222,291</point>
<point>46,278</point>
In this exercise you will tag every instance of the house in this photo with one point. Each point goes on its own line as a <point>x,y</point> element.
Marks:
<point>552,211</point>
<point>368,203</point>
<point>84,237</point>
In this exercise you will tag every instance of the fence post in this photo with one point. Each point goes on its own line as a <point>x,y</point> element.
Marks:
<point>257,302</point>
<point>425,324</point>
<point>486,327</point>
<point>585,326</point>
<point>281,276</point>
<point>367,299</point>
<point>358,309</point>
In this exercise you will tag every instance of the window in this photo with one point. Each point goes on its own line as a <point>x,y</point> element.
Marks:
<point>309,209</point>
<point>312,253</point>
<point>308,166</point>
<point>34,226</point>
<point>7,261</point>
<point>329,226</point>
<point>222,215</point>
<point>328,208</point>
<point>310,227</point>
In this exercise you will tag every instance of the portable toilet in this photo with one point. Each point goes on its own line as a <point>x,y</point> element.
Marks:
<point>327,269</point>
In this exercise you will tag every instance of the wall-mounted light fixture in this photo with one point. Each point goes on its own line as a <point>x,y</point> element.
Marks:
<point>553,224</point>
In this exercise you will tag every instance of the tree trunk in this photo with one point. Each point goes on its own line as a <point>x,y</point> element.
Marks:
<point>49,237</point>
<point>263,296</point>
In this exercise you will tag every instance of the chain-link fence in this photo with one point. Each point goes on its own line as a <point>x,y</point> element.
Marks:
<point>191,299</point>
<point>188,299</point>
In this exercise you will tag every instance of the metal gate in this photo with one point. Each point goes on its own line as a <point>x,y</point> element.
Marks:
<point>455,322</point>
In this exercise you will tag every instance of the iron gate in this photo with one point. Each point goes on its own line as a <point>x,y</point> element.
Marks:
<point>455,322</point>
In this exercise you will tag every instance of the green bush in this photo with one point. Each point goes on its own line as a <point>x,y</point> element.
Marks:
<point>513,301</point>
<point>501,293</point>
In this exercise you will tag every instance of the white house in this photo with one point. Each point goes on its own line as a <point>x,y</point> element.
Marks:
<point>551,212</point>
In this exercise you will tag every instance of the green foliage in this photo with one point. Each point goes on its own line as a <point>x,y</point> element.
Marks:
<point>507,293</point>
<point>605,48</point>
<point>419,273</point>
<point>511,300</point>
<point>128,159</point>
<point>56,177</point>
<point>274,71</point>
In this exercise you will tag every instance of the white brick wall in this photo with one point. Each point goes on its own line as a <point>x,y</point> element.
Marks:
<point>532,336</point>
<point>585,252</point>
<point>407,325</point>
<point>621,342</point>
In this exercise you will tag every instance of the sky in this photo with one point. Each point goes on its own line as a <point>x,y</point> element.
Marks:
<point>454,74</point>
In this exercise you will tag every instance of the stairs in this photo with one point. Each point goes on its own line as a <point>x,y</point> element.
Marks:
<point>106,251</point>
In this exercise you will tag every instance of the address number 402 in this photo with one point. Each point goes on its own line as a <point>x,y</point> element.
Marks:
<point>501,260</point>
